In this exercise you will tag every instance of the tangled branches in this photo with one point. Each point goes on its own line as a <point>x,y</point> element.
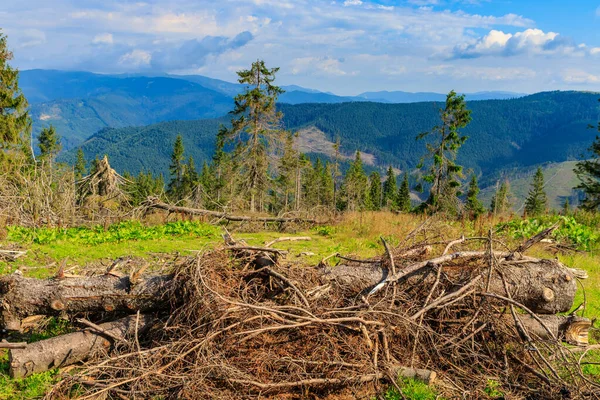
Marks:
<point>249,329</point>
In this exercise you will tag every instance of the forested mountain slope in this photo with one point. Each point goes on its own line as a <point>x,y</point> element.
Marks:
<point>546,127</point>
<point>79,104</point>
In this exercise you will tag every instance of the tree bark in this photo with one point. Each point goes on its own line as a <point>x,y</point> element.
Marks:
<point>152,203</point>
<point>22,297</point>
<point>544,286</point>
<point>570,329</point>
<point>60,351</point>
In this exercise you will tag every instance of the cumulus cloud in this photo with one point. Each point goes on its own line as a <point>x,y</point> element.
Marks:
<point>352,3</point>
<point>103,38</point>
<point>532,41</point>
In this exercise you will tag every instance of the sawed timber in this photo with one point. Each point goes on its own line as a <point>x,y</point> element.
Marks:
<point>22,297</point>
<point>64,350</point>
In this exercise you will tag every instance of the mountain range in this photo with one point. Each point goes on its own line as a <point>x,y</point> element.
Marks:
<point>79,104</point>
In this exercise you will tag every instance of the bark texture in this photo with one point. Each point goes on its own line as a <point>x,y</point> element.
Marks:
<point>71,348</point>
<point>544,286</point>
<point>22,297</point>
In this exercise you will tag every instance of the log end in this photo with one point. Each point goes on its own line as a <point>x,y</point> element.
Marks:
<point>577,331</point>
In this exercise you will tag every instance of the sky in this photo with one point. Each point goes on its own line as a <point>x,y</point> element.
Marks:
<point>343,46</point>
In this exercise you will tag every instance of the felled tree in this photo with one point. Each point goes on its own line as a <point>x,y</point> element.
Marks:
<point>444,174</point>
<point>255,125</point>
<point>15,123</point>
<point>473,206</point>
<point>390,199</point>
<point>537,201</point>
<point>588,172</point>
<point>404,203</point>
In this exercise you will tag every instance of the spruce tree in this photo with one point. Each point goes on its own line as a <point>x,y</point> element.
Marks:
<point>190,177</point>
<point>404,204</point>
<point>176,168</point>
<point>49,143</point>
<point>286,181</point>
<point>473,206</point>
<point>588,172</point>
<point>537,201</point>
<point>255,126</point>
<point>566,208</point>
<point>390,192</point>
<point>79,167</point>
<point>502,201</point>
<point>375,192</point>
<point>15,124</point>
<point>444,174</point>
<point>327,182</point>
<point>355,187</point>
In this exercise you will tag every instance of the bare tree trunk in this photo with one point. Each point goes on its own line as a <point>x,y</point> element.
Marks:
<point>71,348</point>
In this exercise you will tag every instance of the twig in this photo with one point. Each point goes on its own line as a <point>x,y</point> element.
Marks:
<point>288,239</point>
<point>98,329</point>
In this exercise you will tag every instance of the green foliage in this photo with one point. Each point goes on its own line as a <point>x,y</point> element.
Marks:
<point>473,206</point>
<point>537,201</point>
<point>324,230</point>
<point>145,185</point>
<point>255,126</point>
<point>49,143</point>
<point>588,172</point>
<point>355,187</point>
<point>176,168</point>
<point>32,387</point>
<point>54,327</point>
<point>492,389</point>
<point>443,173</point>
<point>123,231</point>
<point>80,165</point>
<point>584,237</point>
<point>412,389</point>
<point>390,199</point>
<point>375,192</point>
<point>404,203</point>
<point>15,123</point>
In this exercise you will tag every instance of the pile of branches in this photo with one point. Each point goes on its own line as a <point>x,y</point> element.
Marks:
<point>239,323</point>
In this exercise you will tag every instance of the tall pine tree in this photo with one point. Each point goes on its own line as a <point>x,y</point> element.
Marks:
<point>502,201</point>
<point>177,169</point>
<point>537,201</point>
<point>390,192</point>
<point>15,124</point>
<point>79,168</point>
<point>444,174</point>
<point>473,206</point>
<point>375,192</point>
<point>404,204</point>
<point>255,126</point>
<point>355,187</point>
<point>49,143</point>
<point>588,172</point>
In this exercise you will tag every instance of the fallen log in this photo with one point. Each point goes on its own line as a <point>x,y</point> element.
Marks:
<point>64,350</point>
<point>22,297</point>
<point>571,329</point>
<point>544,286</point>
<point>155,203</point>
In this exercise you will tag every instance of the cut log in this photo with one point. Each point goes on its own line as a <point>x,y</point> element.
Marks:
<point>22,297</point>
<point>571,329</point>
<point>544,286</point>
<point>60,351</point>
<point>155,203</point>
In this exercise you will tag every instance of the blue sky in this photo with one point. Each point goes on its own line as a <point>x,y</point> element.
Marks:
<point>342,46</point>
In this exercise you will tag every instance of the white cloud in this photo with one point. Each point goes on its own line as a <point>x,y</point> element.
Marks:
<point>136,58</point>
<point>103,38</point>
<point>530,41</point>
<point>482,72</point>
<point>352,3</point>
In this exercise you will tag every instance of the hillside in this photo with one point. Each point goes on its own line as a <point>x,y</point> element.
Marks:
<point>504,135</point>
<point>79,104</point>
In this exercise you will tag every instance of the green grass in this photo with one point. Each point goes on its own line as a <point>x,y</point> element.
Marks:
<point>412,390</point>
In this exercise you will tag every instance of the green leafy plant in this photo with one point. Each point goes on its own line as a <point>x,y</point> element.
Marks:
<point>411,389</point>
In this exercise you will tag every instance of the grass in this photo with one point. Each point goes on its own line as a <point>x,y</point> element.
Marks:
<point>357,234</point>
